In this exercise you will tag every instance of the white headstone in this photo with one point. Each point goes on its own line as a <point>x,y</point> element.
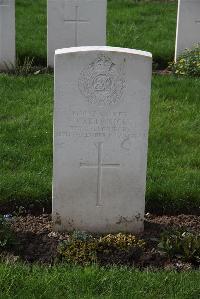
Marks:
<point>101,115</point>
<point>73,23</point>
<point>7,34</point>
<point>188,25</point>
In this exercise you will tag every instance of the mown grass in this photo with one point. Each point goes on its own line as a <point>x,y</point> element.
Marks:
<point>31,30</point>
<point>148,26</point>
<point>173,177</point>
<point>26,139</point>
<point>20,281</point>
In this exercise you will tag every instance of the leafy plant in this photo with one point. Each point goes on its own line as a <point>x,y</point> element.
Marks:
<point>181,244</point>
<point>187,63</point>
<point>6,235</point>
<point>78,251</point>
<point>120,241</point>
<point>82,248</point>
<point>81,235</point>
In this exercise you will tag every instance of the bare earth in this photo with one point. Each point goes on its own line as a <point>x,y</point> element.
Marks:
<point>36,242</point>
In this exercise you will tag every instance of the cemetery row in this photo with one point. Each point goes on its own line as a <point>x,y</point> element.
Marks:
<point>77,23</point>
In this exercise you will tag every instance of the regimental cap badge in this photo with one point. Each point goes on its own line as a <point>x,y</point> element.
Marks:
<point>101,83</point>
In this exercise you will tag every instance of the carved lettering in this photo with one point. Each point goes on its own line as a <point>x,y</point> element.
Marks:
<point>92,124</point>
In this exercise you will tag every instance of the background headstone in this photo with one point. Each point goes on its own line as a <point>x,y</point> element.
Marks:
<point>7,34</point>
<point>74,23</point>
<point>101,115</point>
<point>188,25</point>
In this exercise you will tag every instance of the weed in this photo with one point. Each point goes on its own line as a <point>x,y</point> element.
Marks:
<point>187,63</point>
<point>181,244</point>
<point>6,235</point>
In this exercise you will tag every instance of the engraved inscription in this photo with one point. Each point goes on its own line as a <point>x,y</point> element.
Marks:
<point>93,124</point>
<point>100,165</point>
<point>77,21</point>
<point>101,83</point>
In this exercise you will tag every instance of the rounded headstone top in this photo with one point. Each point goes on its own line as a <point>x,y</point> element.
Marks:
<point>103,49</point>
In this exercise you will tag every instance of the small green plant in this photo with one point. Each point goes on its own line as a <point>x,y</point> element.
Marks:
<point>82,248</point>
<point>181,244</point>
<point>81,236</point>
<point>187,63</point>
<point>78,251</point>
<point>6,235</point>
<point>120,241</point>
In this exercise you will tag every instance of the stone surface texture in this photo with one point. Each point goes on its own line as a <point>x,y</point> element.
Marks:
<point>101,116</point>
<point>188,25</point>
<point>7,34</point>
<point>74,23</point>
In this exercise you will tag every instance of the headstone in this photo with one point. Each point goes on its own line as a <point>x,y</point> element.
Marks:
<point>101,113</point>
<point>7,34</point>
<point>188,25</point>
<point>73,23</point>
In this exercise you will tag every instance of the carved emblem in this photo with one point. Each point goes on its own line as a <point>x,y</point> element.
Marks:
<point>101,83</point>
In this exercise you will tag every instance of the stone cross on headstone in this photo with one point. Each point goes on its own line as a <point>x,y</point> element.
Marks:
<point>7,34</point>
<point>188,29</point>
<point>75,23</point>
<point>101,115</point>
<point>100,165</point>
<point>77,20</point>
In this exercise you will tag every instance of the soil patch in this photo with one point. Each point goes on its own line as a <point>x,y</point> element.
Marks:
<point>36,241</point>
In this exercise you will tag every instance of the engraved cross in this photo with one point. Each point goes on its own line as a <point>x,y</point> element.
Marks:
<point>100,165</point>
<point>76,20</point>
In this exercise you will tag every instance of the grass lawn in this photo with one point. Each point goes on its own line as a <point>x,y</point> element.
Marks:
<point>173,177</point>
<point>18,281</point>
<point>149,26</point>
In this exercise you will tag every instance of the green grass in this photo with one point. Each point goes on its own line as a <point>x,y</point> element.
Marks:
<point>173,177</point>
<point>31,28</point>
<point>19,281</point>
<point>145,26</point>
<point>26,136</point>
